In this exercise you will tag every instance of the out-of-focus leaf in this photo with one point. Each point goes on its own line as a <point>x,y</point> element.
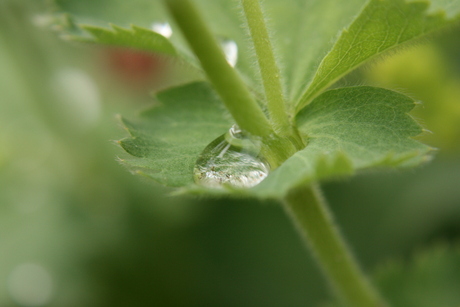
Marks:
<point>432,279</point>
<point>136,37</point>
<point>222,16</point>
<point>302,31</point>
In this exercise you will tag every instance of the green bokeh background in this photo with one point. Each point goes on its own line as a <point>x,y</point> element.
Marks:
<point>104,237</point>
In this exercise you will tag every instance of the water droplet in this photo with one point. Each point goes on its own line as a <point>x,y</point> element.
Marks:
<point>30,284</point>
<point>162,28</point>
<point>231,160</point>
<point>230,49</point>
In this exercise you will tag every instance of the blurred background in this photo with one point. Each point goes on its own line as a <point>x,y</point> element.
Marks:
<point>77,229</point>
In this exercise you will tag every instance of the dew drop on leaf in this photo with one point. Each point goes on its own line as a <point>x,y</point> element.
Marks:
<point>231,160</point>
<point>230,49</point>
<point>162,28</point>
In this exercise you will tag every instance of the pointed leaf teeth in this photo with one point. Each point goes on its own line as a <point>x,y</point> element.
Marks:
<point>128,126</point>
<point>383,25</point>
<point>349,130</point>
<point>118,29</point>
<point>317,160</point>
<point>133,37</point>
<point>426,131</point>
<point>169,137</point>
<point>135,147</point>
<point>120,160</point>
<point>148,129</point>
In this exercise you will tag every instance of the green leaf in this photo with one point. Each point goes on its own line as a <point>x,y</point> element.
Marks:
<point>136,37</point>
<point>223,17</point>
<point>348,129</point>
<point>381,26</point>
<point>103,12</point>
<point>167,139</point>
<point>298,47</point>
<point>303,32</point>
<point>431,279</point>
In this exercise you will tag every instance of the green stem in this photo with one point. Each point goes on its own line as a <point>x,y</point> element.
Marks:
<point>308,209</point>
<point>230,87</point>
<point>267,65</point>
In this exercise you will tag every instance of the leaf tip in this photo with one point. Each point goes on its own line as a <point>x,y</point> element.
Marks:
<point>141,173</point>
<point>426,131</point>
<point>120,160</point>
<point>126,125</point>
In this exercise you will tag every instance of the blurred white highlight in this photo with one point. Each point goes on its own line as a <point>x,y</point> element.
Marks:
<point>30,285</point>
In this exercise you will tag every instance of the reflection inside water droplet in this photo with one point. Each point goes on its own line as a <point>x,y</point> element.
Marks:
<point>162,28</point>
<point>230,49</point>
<point>231,160</point>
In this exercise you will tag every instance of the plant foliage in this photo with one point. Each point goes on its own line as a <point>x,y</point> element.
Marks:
<point>315,44</point>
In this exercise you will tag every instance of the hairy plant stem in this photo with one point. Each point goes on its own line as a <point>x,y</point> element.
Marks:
<point>308,210</point>
<point>268,67</point>
<point>277,145</point>
<point>230,87</point>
